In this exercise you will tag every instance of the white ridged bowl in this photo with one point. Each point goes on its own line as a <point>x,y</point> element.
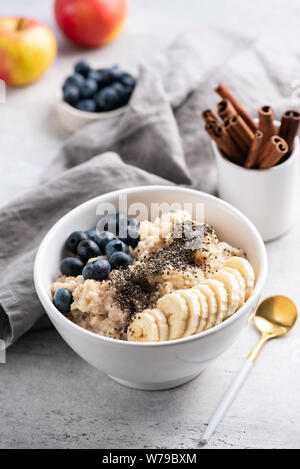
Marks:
<point>151,365</point>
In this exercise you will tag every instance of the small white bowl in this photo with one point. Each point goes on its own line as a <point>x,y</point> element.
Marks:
<point>159,365</point>
<point>73,119</point>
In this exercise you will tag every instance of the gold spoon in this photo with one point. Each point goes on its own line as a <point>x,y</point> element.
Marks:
<point>274,317</point>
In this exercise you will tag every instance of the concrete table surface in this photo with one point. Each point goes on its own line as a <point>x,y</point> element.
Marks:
<point>49,397</point>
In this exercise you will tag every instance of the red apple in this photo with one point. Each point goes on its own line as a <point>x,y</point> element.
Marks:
<point>27,49</point>
<point>90,23</point>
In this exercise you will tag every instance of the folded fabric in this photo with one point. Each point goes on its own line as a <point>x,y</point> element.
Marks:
<point>160,140</point>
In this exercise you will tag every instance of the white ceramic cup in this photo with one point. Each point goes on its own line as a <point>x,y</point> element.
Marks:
<point>156,365</point>
<point>266,196</point>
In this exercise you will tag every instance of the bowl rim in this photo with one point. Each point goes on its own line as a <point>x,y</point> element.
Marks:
<point>45,299</point>
<point>91,115</point>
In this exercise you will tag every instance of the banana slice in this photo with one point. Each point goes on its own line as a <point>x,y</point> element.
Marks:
<point>241,282</point>
<point>245,268</point>
<point>203,306</point>
<point>233,290</point>
<point>194,311</point>
<point>162,323</point>
<point>211,303</point>
<point>143,328</point>
<point>175,308</point>
<point>222,301</point>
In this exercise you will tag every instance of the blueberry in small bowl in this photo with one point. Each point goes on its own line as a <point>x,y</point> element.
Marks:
<point>71,94</point>
<point>89,88</point>
<point>75,80</point>
<point>108,99</point>
<point>94,92</point>
<point>86,105</point>
<point>82,67</point>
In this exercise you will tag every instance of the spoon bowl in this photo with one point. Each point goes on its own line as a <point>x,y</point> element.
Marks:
<point>276,316</point>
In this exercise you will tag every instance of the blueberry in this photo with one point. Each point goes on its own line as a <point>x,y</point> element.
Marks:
<point>101,238</point>
<point>71,266</point>
<point>116,72</point>
<point>128,80</point>
<point>97,270</point>
<point>92,234</point>
<point>89,88</point>
<point>106,77</point>
<point>62,300</point>
<point>120,260</point>
<point>95,75</point>
<point>131,239</point>
<point>82,67</point>
<point>113,222</point>
<point>121,89</point>
<point>108,99</point>
<point>123,92</point>
<point>115,245</point>
<point>74,239</point>
<point>106,237</point>
<point>87,249</point>
<point>71,94</point>
<point>74,80</point>
<point>87,105</point>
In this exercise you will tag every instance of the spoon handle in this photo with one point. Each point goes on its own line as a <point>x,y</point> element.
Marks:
<point>227,400</point>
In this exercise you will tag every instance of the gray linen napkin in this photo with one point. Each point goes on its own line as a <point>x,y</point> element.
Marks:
<point>160,140</point>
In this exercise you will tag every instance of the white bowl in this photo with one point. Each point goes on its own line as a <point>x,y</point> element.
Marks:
<point>73,119</point>
<point>151,365</point>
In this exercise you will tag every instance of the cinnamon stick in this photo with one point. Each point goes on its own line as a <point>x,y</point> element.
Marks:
<point>255,148</point>
<point>225,93</point>
<point>289,128</point>
<point>225,143</point>
<point>229,146</point>
<point>225,109</point>
<point>265,122</point>
<point>239,132</point>
<point>210,128</point>
<point>272,152</point>
<point>209,116</point>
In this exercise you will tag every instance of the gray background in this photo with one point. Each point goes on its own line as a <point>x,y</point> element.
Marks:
<point>49,397</point>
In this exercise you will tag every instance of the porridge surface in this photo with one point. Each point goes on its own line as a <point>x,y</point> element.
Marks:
<point>173,253</point>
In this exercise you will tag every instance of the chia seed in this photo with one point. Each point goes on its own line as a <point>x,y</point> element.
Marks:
<point>135,286</point>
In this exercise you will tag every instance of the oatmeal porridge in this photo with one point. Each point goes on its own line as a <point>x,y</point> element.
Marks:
<point>164,280</point>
